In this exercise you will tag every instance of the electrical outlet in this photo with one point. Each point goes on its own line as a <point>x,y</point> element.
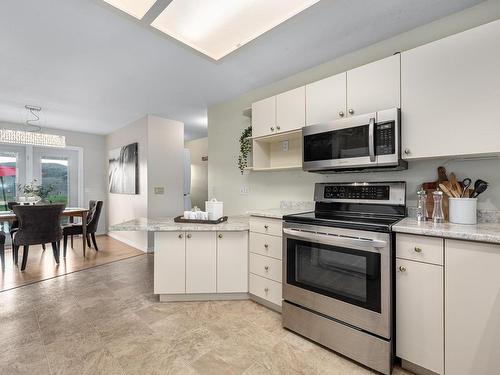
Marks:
<point>244,190</point>
<point>285,145</point>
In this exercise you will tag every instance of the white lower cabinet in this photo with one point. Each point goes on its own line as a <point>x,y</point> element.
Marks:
<point>170,263</point>
<point>265,260</point>
<point>419,314</point>
<point>201,262</point>
<point>472,308</point>
<point>232,262</point>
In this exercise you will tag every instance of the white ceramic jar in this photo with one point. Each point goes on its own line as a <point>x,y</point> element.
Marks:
<point>215,209</point>
<point>463,210</point>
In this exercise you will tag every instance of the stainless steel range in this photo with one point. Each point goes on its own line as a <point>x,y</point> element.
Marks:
<point>338,269</point>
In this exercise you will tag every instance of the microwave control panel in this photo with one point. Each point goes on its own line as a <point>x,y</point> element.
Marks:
<point>385,138</point>
<point>379,192</point>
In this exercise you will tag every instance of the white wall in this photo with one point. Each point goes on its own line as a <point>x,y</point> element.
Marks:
<point>225,123</point>
<point>123,207</point>
<point>160,146</point>
<point>199,171</point>
<point>94,167</point>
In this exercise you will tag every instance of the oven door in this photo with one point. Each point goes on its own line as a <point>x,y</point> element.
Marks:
<point>341,273</point>
<point>346,143</point>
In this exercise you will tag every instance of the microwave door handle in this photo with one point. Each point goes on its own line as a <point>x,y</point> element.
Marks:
<point>337,240</point>
<point>371,139</point>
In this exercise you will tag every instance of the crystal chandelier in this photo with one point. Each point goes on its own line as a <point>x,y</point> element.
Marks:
<point>32,137</point>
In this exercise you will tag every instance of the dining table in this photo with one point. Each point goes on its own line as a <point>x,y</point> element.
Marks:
<point>68,212</point>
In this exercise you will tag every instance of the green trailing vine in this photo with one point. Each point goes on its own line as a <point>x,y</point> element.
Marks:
<point>245,148</point>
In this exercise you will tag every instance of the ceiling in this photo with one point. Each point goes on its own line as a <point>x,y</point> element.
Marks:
<point>95,69</point>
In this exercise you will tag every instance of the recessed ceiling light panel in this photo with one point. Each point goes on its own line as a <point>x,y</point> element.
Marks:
<point>218,27</point>
<point>136,8</point>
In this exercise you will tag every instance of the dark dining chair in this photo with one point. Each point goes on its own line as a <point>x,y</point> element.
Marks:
<point>15,224</point>
<point>2,249</point>
<point>95,208</point>
<point>38,224</point>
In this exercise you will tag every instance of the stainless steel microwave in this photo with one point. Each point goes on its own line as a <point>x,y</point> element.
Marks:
<point>369,141</point>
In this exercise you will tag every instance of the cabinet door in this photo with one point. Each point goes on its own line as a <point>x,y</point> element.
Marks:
<point>291,110</point>
<point>472,306</point>
<point>326,99</point>
<point>264,117</point>
<point>419,314</point>
<point>201,262</point>
<point>169,263</point>
<point>450,90</point>
<point>232,262</point>
<point>374,86</point>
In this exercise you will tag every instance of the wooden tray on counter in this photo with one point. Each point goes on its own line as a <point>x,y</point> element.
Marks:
<point>180,219</point>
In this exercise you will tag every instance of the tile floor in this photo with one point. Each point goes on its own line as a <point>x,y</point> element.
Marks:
<point>105,320</point>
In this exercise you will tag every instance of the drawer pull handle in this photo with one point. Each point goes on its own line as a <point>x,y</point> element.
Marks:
<point>266,246</point>
<point>266,290</point>
<point>418,249</point>
<point>266,268</point>
<point>180,236</point>
<point>402,269</point>
<point>266,226</point>
<point>220,235</point>
<point>189,236</point>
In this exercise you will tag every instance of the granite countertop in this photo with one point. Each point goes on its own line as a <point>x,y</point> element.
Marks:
<point>167,224</point>
<point>481,232</point>
<point>276,213</point>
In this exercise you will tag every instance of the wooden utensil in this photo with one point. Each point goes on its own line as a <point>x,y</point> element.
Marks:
<point>455,185</point>
<point>445,190</point>
<point>451,189</point>
<point>442,174</point>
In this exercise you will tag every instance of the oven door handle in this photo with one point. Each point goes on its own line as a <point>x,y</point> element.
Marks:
<point>371,139</point>
<point>336,240</point>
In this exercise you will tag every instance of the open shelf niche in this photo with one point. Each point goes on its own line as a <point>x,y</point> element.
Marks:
<point>280,151</point>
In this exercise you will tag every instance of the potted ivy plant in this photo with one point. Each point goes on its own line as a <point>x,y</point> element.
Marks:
<point>245,148</point>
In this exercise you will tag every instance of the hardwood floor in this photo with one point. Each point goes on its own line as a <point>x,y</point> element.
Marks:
<point>42,266</point>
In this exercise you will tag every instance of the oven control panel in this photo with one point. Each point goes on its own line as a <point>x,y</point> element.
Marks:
<point>378,192</point>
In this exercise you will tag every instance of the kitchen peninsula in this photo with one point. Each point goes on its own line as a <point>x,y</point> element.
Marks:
<point>197,262</point>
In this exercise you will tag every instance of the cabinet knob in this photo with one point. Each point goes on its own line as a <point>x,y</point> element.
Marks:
<point>266,226</point>
<point>278,127</point>
<point>181,236</point>
<point>272,128</point>
<point>266,290</point>
<point>220,235</point>
<point>402,269</point>
<point>266,246</point>
<point>351,111</point>
<point>341,113</point>
<point>189,235</point>
<point>266,268</point>
<point>407,151</point>
<point>418,249</point>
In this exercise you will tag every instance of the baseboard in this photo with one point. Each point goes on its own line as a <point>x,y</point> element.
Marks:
<point>266,303</point>
<point>128,242</point>
<point>202,297</point>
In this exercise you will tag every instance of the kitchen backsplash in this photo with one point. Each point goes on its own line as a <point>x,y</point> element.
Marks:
<point>297,205</point>
<point>483,216</point>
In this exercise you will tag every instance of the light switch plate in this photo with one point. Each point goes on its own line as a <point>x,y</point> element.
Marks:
<point>159,190</point>
<point>244,190</point>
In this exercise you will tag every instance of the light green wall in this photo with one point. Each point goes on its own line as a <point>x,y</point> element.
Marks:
<point>225,123</point>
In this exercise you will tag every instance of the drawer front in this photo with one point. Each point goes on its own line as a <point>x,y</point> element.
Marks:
<point>265,267</point>
<point>265,288</point>
<point>266,245</point>
<point>266,226</point>
<point>420,248</point>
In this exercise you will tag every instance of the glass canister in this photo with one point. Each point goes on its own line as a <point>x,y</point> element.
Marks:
<point>422,205</point>
<point>437,213</point>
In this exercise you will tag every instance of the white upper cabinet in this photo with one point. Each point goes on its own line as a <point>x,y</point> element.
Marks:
<point>374,87</point>
<point>291,110</point>
<point>326,99</point>
<point>450,95</point>
<point>264,117</point>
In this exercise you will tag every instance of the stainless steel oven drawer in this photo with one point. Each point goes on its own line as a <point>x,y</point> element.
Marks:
<point>367,349</point>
